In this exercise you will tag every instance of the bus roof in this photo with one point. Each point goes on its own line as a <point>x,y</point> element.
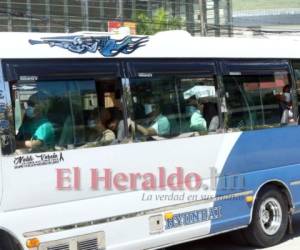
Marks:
<point>169,44</point>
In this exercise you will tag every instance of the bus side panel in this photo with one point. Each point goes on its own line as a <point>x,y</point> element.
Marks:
<point>258,157</point>
<point>200,155</point>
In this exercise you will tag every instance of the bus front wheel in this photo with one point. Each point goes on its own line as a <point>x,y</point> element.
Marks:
<point>269,219</point>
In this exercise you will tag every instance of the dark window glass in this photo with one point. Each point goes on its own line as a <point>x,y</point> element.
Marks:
<point>199,105</point>
<point>174,107</point>
<point>67,114</point>
<point>297,79</point>
<point>258,101</point>
<point>155,106</point>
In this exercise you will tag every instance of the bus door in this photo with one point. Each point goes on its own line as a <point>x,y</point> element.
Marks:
<point>59,115</point>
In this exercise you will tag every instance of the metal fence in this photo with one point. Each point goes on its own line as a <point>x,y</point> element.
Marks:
<point>76,15</point>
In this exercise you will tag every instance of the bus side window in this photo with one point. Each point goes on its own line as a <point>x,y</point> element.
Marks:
<point>49,115</point>
<point>174,107</point>
<point>199,105</point>
<point>111,108</point>
<point>257,101</point>
<point>155,110</point>
<point>68,114</point>
<point>297,79</point>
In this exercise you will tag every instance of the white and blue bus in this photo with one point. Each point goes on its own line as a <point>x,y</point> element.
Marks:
<point>123,142</point>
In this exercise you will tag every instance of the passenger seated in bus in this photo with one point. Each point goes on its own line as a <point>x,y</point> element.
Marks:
<point>285,103</point>
<point>116,124</point>
<point>210,114</point>
<point>194,109</point>
<point>99,134</point>
<point>159,124</point>
<point>36,132</point>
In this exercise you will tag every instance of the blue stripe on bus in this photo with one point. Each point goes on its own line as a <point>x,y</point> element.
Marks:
<point>264,149</point>
<point>257,157</point>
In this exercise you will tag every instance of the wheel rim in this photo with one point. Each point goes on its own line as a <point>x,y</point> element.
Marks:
<point>270,214</point>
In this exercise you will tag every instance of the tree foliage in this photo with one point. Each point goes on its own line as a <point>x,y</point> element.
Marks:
<point>160,21</point>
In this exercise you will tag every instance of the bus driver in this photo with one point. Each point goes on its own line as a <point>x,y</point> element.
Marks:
<point>36,132</point>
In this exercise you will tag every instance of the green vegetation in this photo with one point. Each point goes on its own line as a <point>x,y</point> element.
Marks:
<point>160,21</point>
<point>264,4</point>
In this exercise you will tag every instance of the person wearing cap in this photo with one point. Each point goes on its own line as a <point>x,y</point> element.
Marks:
<point>194,110</point>
<point>159,124</point>
<point>36,132</point>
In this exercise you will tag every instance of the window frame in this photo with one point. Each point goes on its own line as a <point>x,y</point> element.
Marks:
<point>11,72</point>
<point>257,66</point>
<point>125,69</point>
<point>174,68</point>
<point>296,101</point>
<point>59,69</point>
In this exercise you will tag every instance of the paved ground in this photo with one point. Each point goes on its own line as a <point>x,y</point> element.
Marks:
<point>291,242</point>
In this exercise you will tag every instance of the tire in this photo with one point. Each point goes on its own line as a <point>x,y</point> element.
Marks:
<point>8,243</point>
<point>238,238</point>
<point>269,220</point>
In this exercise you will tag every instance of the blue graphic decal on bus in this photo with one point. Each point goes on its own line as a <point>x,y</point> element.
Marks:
<point>106,46</point>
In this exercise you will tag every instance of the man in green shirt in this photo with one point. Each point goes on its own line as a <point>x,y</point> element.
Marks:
<point>36,132</point>
<point>159,126</point>
<point>194,109</point>
<point>197,122</point>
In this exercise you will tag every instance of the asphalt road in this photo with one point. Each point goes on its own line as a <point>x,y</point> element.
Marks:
<point>222,242</point>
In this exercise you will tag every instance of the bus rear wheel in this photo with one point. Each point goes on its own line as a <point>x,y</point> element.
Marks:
<point>270,218</point>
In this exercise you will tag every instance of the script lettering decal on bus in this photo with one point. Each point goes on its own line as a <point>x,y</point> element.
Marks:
<point>37,160</point>
<point>105,45</point>
<point>193,217</point>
